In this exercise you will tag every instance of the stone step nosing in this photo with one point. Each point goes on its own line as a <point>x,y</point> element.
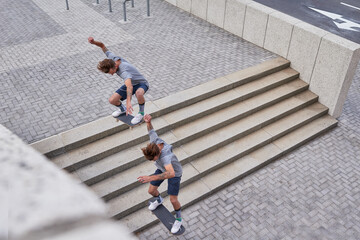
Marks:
<point>283,153</point>
<point>235,101</point>
<point>225,88</point>
<point>244,115</point>
<point>61,147</point>
<point>114,171</point>
<point>240,176</point>
<point>240,116</point>
<point>108,152</point>
<point>235,157</point>
<point>95,137</point>
<point>263,143</point>
<point>216,127</point>
<point>142,138</point>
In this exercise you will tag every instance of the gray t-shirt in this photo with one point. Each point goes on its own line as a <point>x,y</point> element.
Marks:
<point>126,70</point>
<point>166,155</point>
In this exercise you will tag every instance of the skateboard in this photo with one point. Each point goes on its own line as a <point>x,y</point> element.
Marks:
<point>166,218</point>
<point>127,120</point>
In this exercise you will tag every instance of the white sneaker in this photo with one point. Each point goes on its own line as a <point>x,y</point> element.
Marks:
<point>118,112</point>
<point>137,119</point>
<point>176,226</point>
<point>155,204</point>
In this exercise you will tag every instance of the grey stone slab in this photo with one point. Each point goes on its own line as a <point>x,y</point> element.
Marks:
<point>301,135</point>
<point>258,69</point>
<point>199,8</point>
<point>109,230</point>
<point>184,4</point>
<point>279,32</point>
<point>92,152</point>
<point>303,49</point>
<point>216,12</point>
<point>20,26</point>
<point>235,16</point>
<point>39,194</point>
<point>256,20</point>
<point>331,80</point>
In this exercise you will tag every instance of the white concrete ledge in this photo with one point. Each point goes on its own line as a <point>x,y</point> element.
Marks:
<point>199,8</point>
<point>235,16</point>
<point>184,5</point>
<point>43,200</point>
<point>256,20</point>
<point>173,2</point>
<point>216,12</point>
<point>324,60</point>
<point>334,70</point>
<point>304,47</point>
<point>279,32</point>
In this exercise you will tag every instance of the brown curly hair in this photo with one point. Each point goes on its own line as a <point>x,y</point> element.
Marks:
<point>151,151</point>
<point>105,65</point>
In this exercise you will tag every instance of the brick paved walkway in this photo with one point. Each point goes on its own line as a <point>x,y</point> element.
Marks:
<point>50,79</point>
<point>49,84</point>
<point>312,193</point>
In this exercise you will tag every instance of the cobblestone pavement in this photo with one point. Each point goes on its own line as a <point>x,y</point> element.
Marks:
<point>312,193</point>
<point>48,69</point>
<point>49,84</point>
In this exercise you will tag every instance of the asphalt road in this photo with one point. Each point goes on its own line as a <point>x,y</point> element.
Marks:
<point>341,17</point>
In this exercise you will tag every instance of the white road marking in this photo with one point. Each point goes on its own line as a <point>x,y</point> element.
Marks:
<point>348,5</point>
<point>345,24</point>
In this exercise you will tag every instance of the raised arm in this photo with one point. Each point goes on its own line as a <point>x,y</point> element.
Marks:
<point>147,119</point>
<point>99,44</point>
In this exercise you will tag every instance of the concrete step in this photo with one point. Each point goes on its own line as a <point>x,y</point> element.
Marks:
<point>121,161</point>
<point>212,160</point>
<point>241,166</point>
<point>75,138</point>
<point>220,131</point>
<point>90,153</point>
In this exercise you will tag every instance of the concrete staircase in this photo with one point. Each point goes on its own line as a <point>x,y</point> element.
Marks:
<point>221,131</point>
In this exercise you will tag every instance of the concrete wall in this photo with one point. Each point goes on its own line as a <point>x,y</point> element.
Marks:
<point>324,60</point>
<point>39,201</point>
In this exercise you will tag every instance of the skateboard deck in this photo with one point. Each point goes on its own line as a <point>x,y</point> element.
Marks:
<point>127,120</point>
<point>166,218</point>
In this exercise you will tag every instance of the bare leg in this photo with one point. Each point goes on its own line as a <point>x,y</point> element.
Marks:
<point>140,95</point>
<point>175,202</point>
<point>153,190</point>
<point>115,99</point>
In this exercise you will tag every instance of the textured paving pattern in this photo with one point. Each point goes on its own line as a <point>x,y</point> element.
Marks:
<point>312,193</point>
<point>51,84</point>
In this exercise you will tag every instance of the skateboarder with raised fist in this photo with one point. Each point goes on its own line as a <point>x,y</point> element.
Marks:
<point>168,167</point>
<point>135,83</point>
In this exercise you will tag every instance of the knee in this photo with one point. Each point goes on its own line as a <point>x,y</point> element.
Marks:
<point>114,101</point>
<point>173,199</point>
<point>139,93</point>
<point>152,192</point>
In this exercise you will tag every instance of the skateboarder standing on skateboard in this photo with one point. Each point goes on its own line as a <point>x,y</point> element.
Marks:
<point>168,167</point>
<point>135,83</point>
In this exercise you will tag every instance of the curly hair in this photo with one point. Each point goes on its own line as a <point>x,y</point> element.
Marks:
<point>151,151</point>
<point>105,65</point>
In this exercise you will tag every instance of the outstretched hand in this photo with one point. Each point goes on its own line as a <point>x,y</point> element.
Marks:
<point>147,118</point>
<point>144,179</point>
<point>91,40</point>
<point>129,109</point>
